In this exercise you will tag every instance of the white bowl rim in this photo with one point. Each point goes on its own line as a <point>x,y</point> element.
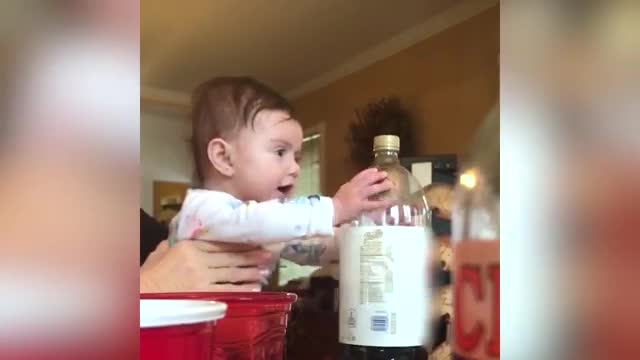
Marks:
<point>171,312</point>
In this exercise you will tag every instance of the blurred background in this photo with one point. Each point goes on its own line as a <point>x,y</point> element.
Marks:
<point>569,142</point>
<point>69,164</point>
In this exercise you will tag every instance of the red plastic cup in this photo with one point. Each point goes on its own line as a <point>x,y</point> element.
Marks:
<point>178,329</point>
<point>254,327</point>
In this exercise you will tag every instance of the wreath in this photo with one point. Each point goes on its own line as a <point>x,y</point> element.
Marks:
<point>385,116</point>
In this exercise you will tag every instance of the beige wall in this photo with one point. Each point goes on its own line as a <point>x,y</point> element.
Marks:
<point>449,82</point>
<point>164,152</point>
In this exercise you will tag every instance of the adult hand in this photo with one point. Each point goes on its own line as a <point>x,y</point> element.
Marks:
<point>194,265</point>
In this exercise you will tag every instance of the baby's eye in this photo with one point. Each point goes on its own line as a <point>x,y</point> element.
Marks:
<point>280,152</point>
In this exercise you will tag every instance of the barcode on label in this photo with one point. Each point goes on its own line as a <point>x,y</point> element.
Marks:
<point>379,323</point>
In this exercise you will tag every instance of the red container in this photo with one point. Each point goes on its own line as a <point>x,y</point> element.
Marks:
<point>254,327</point>
<point>178,329</point>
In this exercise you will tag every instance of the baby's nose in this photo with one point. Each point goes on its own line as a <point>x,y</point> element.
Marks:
<point>295,170</point>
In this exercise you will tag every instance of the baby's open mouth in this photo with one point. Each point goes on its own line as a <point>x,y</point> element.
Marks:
<point>285,189</point>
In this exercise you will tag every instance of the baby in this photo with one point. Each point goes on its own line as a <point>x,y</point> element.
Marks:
<point>246,146</point>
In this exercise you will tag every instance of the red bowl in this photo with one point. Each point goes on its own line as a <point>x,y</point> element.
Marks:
<point>178,329</point>
<point>254,326</point>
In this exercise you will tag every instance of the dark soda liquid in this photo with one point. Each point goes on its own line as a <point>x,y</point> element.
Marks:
<point>355,352</point>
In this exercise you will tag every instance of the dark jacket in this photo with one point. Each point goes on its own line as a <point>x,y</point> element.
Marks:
<point>151,234</point>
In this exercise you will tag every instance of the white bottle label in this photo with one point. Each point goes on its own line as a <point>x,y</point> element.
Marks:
<point>383,286</point>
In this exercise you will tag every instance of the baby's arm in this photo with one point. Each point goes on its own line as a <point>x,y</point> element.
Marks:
<point>216,216</point>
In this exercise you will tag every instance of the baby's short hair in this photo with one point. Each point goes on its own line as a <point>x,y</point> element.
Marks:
<point>223,105</point>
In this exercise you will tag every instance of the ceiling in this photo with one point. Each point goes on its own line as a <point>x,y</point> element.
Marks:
<point>285,43</point>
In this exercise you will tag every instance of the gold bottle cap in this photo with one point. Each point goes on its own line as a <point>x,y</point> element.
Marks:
<point>386,142</point>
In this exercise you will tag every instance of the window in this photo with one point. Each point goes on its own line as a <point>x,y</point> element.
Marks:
<point>309,178</point>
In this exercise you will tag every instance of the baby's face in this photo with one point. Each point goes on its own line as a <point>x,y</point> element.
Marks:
<point>266,157</point>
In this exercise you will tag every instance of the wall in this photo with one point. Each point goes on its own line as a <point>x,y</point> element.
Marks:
<point>449,81</point>
<point>164,152</point>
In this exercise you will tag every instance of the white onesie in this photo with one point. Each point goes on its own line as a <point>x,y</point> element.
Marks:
<point>218,216</point>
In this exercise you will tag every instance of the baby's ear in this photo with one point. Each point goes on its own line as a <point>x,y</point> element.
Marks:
<point>219,152</point>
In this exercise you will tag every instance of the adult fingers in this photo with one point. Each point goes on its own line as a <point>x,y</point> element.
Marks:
<point>238,275</point>
<point>220,247</point>
<point>251,287</point>
<point>251,258</point>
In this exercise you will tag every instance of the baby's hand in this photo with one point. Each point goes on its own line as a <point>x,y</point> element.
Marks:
<point>354,197</point>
